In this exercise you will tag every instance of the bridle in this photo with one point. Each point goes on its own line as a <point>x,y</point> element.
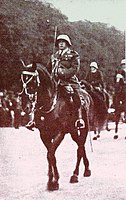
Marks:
<point>33,96</point>
<point>31,75</point>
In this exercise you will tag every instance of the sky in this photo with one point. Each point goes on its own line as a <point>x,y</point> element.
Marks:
<point>112,12</point>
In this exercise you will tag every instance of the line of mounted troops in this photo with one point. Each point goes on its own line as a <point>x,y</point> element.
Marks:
<point>63,66</point>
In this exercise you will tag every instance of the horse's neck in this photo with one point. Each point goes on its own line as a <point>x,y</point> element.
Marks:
<point>46,92</point>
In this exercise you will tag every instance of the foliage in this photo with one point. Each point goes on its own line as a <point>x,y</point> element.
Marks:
<point>27,32</point>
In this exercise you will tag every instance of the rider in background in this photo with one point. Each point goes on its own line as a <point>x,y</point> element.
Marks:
<point>120,76</point>
<point>95,78</point>
<point>120,81</point>
<point>64,66</point>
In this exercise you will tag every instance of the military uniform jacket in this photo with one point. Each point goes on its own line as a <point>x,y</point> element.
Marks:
<point>95,79</point>
<point>64,66</point>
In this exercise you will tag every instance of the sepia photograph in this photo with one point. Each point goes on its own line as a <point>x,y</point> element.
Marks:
<point>63,100</point>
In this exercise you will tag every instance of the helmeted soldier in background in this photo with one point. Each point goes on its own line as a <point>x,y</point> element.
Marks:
<point>120,76</point>
<point>120,82</point>
<point>64,66</point>
<point>95,76</point>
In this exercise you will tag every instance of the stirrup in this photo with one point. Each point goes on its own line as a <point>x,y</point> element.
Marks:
<point>80,123</point>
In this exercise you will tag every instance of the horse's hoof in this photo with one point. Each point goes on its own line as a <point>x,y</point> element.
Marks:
<point>108,129</point>
<point>94,138</point>
<point>98,136</point>
<point>115,137</point>
<point>125,137</point>
<point>52,186</point>
<point>87,173</point>
<point>74,179</point>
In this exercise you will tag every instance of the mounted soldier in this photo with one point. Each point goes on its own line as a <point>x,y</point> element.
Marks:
<point>95,78</point>
<point>120,76</point>
<point>64,66</point>
<point>120,82</point>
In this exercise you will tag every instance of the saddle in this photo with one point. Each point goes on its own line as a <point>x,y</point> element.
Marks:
<point>71,95</point>
<point>75,102</point>
<point>100,94</point>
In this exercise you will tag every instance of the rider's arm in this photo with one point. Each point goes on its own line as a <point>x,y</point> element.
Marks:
<point>70,67</point>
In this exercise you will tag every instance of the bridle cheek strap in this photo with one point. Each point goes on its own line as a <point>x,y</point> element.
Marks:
<point>32,74</point>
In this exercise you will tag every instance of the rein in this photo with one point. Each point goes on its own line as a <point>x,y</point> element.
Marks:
<point>52,106</point>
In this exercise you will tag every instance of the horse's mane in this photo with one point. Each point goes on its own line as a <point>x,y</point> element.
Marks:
<point>45,77</point>
<point>47,87</point>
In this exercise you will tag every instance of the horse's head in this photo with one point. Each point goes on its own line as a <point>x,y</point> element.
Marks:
<point>29,80</point>
<point>36,81</point>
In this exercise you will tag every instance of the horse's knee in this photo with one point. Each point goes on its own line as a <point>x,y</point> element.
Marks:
<point>80,151</point>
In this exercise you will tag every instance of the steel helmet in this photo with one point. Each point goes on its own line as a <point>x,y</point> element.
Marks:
<point>94,64</point>
<point>63,37</point>
<point>123,62</point>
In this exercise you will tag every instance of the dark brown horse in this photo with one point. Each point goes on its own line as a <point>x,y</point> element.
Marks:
<point>119,102</point>
<point>55,115</point>
<point>101,105</point>
<point>101,99</point>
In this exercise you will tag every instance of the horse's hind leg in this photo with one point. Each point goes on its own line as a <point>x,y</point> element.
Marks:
<point>74,177</point>
<point>87,171</point>
<point>80,140</point>
<point>97,132</point>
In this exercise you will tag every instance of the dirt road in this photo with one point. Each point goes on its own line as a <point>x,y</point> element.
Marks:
<point>23,167</point>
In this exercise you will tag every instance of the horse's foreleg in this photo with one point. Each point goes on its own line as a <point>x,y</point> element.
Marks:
<point>116,125</point>
<point>52,174</point>
<point>107,125</point>
<point>47,142</point>
<point>116,130</point>
<point>53,171</point>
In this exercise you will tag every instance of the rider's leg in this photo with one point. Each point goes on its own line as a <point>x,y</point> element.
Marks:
<point>77,100</point>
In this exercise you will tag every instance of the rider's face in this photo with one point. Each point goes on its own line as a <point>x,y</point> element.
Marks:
<point>93,69</point>
<point>123,66</point>
<point>62,44</point>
